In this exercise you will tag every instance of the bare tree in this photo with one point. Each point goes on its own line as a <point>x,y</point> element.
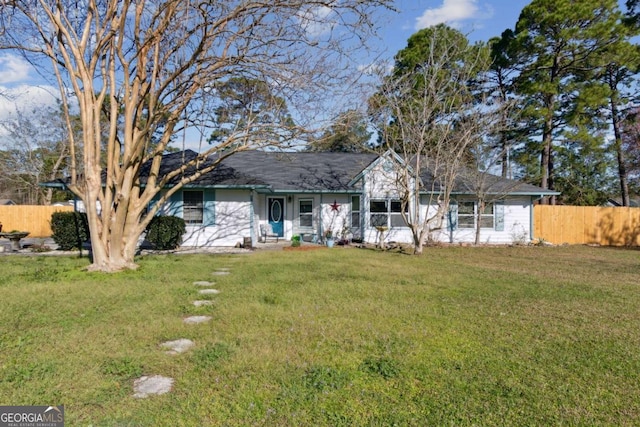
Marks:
<point>428,113</point>
<point>34,150</point>
<point>157,64</point>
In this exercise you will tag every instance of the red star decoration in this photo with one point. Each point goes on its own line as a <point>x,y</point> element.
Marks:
<point>335,206</point>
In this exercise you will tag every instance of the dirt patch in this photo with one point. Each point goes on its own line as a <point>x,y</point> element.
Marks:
<point>303,248</point>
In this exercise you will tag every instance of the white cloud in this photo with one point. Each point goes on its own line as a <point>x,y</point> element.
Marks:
<point>453,13</point>
<point>317,21</point>
<point>26,98</point>
<point>13,69</point>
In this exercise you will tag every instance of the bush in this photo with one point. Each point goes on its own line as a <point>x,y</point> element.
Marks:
<point>295,241</point>
<point>165,232</point>
<point>70,229</point>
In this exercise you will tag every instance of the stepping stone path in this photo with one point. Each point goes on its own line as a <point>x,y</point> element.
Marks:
<point>155,385</point>
<point>192,320</point>
<point>178,346</point>
<point>202,303</point>
<point>147,386</point>
<point>204,283</point>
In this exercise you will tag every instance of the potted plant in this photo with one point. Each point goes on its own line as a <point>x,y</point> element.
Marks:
<point>328,237</point>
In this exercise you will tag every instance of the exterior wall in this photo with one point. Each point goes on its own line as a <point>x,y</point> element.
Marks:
<point>324,217</point>
<point>517,225</point>
<point>227,218</point>
<point>337,220</point>
<point>380,184</point>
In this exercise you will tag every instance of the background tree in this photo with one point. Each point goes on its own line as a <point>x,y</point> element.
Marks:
<point>156,63</point>
<point>34,150</point>
<point>248,105</point>
<point>556,43</point>
<point>349,133</point>
<point>619,66</point>
<point>428,112</point>
<point>631,147</point>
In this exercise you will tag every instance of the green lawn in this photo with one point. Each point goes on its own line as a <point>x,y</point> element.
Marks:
<point>459,336</point>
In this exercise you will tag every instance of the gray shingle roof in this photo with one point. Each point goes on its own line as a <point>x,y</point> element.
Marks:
<point>301,171</point>
<point>307,172</point>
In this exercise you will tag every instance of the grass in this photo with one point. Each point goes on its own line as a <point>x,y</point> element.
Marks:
<point>341,337</point>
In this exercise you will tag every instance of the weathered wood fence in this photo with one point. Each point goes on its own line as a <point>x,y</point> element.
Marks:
<point>610,226</point>
<point>34,219</point>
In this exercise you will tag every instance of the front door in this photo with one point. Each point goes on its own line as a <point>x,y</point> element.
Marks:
<point>276,215</point>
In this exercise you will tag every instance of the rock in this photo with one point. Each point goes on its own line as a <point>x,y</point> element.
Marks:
<point>220,273</point>
<point>192,320</point>
<point>202,303</point>
<point>208,291</point>
<point>178,346</point>
<point>146,386</point>
<point>203,283</point>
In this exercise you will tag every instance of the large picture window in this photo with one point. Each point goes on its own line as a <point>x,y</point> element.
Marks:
<point>305,213</point>
<point>193,206</point>
<point>386,213</point>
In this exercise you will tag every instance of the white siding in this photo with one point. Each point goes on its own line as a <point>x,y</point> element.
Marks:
<point>380,184</point>
<point>517,226</point>
<point>232,221</point>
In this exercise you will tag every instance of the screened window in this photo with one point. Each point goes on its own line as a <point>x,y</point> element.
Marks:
<point>379,213</point>
<point>396,214</point>
<point>386,213</point>
<point>193,207</point>
<point>355,211</point>
<point>467,215</point>
<point>306,213</point>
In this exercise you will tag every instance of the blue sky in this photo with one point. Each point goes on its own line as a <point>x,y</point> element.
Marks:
<point>479,19</point>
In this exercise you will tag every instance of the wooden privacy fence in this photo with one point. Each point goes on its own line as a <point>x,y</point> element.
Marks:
<point>587,225</point>
<point>34,219</point>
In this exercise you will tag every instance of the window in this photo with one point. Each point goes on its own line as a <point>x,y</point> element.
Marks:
<point>386,213</point>
<point>487,216</point>
<point>379,213</point>
<point>467,215</point>
<point>305,208</point>
<point>355,211</point>
<point>396,214</point>
<point>192,207</point>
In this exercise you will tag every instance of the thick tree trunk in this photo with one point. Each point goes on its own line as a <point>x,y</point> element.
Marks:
<point>417,243</point>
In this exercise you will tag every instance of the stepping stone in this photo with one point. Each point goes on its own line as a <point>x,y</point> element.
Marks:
<point>147,386</point>
<point>204,283</point>
<point>192,320</point>
<point>202,303</point>
<point>178,346</point>
<point>208,291</point>
<point>223,269</point>
<point>220,273</point>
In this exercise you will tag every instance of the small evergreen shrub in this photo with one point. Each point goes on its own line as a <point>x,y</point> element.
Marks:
<point>165,232</point>
<point>70,229</point>
<point>295,241</point>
